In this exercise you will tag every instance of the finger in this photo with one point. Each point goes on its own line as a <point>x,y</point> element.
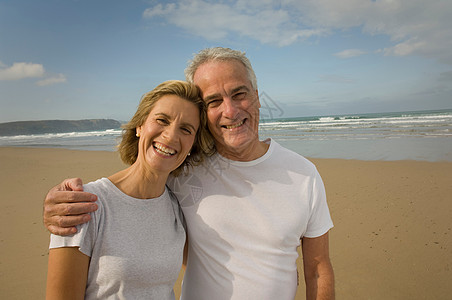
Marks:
<point>70,221</point>
<point>72,184</point>
<point>62,231</point>
<point>69,209</point>
<point>65,225</point>
<point>56,197</point>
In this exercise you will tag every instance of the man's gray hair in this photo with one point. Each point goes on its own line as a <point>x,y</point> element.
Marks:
<point>219,54</point>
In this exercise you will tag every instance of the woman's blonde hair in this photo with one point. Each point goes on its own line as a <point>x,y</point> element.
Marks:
<point>203,144</point>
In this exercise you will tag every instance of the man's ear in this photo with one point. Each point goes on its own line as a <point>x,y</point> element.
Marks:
<point>257,97</point>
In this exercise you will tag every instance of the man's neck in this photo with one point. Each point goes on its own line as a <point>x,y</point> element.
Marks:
<point>257,150</point>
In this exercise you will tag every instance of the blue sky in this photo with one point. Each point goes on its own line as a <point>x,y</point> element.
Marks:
<point>79,59</point>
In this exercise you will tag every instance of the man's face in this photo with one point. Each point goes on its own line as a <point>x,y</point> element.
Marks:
<point>232,107</point>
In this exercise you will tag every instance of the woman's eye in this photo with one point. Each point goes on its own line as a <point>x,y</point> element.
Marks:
<point>186,130</point>
<point>162,121</point>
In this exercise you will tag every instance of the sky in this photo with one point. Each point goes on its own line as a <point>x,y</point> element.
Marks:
<point>83,59</point>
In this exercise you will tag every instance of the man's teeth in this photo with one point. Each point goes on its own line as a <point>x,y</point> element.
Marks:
<point>163,150</point>
<point>234,126</point>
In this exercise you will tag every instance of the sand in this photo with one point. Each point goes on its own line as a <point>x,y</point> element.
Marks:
<point>391,240</point>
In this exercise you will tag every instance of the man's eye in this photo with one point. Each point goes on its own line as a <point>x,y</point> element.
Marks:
<point>239,96</point>
<point>214,103</point>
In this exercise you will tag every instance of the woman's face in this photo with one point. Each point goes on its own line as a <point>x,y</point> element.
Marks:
<point>168,133</point>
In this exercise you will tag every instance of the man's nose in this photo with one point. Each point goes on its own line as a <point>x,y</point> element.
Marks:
<point>230,108</point>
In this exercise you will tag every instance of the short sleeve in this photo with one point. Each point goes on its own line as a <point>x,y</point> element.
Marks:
<point>320,219</point>
<point>86,234</point>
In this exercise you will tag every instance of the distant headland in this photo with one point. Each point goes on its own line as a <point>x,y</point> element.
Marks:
<point>56,126</point>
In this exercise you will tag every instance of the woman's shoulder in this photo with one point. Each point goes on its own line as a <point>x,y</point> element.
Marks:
<point>100,187</point>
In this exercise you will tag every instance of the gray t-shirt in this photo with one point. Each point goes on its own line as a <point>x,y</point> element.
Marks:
<point>135,245</point>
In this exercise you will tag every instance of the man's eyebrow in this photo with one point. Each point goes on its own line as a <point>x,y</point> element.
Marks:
<point>233,91</point>
<point>239,88</point>
<point>212,97</point>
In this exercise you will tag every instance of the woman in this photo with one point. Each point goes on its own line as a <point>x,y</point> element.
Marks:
<point>133,246</point>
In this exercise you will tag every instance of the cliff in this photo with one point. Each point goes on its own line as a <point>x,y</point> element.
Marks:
<point>56,126</point>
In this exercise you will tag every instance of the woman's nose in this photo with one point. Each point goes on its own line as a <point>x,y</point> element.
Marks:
<point>170,132</point>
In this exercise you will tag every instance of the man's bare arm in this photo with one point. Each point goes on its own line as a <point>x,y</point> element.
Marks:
<point>318,272</point>
<point>66,205</point>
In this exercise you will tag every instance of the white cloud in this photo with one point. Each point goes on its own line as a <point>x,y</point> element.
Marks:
<point>215,21</point>
<point>60,78</point>
<point>21,70</point>
<point>416,27</point>
<point>350,53</point>
<point>159,10</point>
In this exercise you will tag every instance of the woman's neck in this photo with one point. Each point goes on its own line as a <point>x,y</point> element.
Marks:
<point>138,182</point>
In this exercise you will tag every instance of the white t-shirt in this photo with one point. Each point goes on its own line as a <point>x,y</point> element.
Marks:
<point>245,221</point>
<point>135,245</point>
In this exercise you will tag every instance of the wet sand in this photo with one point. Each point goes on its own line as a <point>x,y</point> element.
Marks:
<point>392,237</point>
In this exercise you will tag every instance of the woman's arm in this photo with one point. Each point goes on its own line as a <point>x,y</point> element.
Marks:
<point>67,273</point>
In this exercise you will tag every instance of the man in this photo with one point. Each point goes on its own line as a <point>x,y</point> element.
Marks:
<point>247,207</point>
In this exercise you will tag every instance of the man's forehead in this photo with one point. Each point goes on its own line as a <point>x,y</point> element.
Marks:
<point>212,70</point>
<point>230,75</point>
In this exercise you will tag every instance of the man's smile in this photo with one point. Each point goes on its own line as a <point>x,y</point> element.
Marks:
<point>233,125</point>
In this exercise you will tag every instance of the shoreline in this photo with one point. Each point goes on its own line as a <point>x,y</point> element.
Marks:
<point>350,150</point>
<point>392,237</point>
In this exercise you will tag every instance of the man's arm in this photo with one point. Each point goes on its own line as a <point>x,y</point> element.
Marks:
<point>66,205</point>
<point>318,271</point>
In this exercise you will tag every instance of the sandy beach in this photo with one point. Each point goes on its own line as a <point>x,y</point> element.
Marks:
<point>392,237</point>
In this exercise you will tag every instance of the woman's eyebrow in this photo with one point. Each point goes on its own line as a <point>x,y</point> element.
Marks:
<point>189,125</point>
<point>162,115</point>
<point>169,118</point>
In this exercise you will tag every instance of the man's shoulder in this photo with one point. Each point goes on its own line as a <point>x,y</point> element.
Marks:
<point>289,160</point>
<point>282,150</point>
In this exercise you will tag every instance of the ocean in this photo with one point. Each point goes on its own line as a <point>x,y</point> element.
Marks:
<point>418,135</point>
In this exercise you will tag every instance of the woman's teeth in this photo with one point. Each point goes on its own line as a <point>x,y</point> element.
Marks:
<point>164,150</point>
